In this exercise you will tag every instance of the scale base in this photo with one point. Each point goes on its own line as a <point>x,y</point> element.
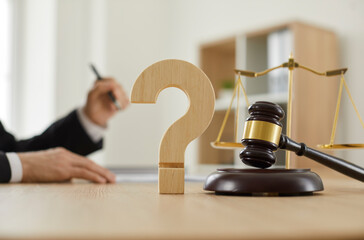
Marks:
<point>265,182</point>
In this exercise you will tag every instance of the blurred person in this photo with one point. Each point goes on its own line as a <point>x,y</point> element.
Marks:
<point>57,155</point>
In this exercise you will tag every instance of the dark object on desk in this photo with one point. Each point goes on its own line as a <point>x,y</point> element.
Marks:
<point>111,96</point>
<point>230,181</point>
<point>262,136</point>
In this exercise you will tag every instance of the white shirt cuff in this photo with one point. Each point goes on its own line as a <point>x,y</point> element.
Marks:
<point>94,131</point>
<point>15,167</point>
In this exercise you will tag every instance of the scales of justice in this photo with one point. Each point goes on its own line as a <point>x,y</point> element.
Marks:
<point>262,136</point>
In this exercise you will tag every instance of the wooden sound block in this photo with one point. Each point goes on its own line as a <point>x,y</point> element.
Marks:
<point>232,181</point>
<point>171,180</point>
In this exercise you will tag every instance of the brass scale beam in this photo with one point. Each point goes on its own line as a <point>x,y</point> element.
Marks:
<point>291,64</point>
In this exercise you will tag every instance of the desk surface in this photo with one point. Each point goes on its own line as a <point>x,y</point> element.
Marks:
<point>137,211</point>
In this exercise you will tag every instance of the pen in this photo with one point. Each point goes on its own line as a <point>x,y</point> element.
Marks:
<point>111,96</point>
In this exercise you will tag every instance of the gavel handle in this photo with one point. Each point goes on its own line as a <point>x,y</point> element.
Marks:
<point>335,163</point>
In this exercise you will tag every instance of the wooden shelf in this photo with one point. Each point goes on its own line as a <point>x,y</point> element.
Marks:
<point>217,60</point>
<point>311,122</point>
<point>209,155</point>
<point>222,104</point>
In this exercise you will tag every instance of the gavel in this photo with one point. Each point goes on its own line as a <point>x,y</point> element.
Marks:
<point>263,136</point>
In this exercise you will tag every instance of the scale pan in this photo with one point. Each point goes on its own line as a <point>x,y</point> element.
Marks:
<point>226,145</point>
<point>341,146</point>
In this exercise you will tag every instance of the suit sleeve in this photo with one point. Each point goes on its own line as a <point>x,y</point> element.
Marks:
<point>5,172</point>
<point>66,132</point>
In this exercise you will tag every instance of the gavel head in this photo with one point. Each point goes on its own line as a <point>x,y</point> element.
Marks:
<point>262,132</point>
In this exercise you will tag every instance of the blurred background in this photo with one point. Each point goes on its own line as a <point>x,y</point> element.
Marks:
<point>47,45</point>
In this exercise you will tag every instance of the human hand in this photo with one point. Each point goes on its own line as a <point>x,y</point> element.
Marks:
<point>99,107</point>
<point>59,165</point>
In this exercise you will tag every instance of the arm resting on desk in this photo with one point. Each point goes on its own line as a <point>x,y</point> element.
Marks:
<point>67,132</point>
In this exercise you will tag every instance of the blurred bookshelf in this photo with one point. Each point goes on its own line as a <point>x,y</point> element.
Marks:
<point>261,49</point>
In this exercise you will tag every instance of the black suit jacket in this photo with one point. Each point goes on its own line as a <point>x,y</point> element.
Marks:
<point>66,132</point>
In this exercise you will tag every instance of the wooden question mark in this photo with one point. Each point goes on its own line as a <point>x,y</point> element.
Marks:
<point>198,88</point>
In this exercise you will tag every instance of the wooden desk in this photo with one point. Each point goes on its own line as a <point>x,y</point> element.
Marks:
<point>137,211</point>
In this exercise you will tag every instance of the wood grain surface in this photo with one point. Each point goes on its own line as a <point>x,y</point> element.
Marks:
<point>137,211</point>
<point>198,88</point>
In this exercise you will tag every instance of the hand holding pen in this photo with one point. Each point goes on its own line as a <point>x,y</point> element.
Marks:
<point>105,99</point>
<point>111,95</point>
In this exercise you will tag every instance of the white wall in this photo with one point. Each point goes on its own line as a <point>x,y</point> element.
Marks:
<point>5,62</point>
<point>138,35</point>
<point>73,55</point>
<point>141,32</point>
<point>80,41</point>
<point>34,64</point>
<point>101,32</point>
<point>124,37</point>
